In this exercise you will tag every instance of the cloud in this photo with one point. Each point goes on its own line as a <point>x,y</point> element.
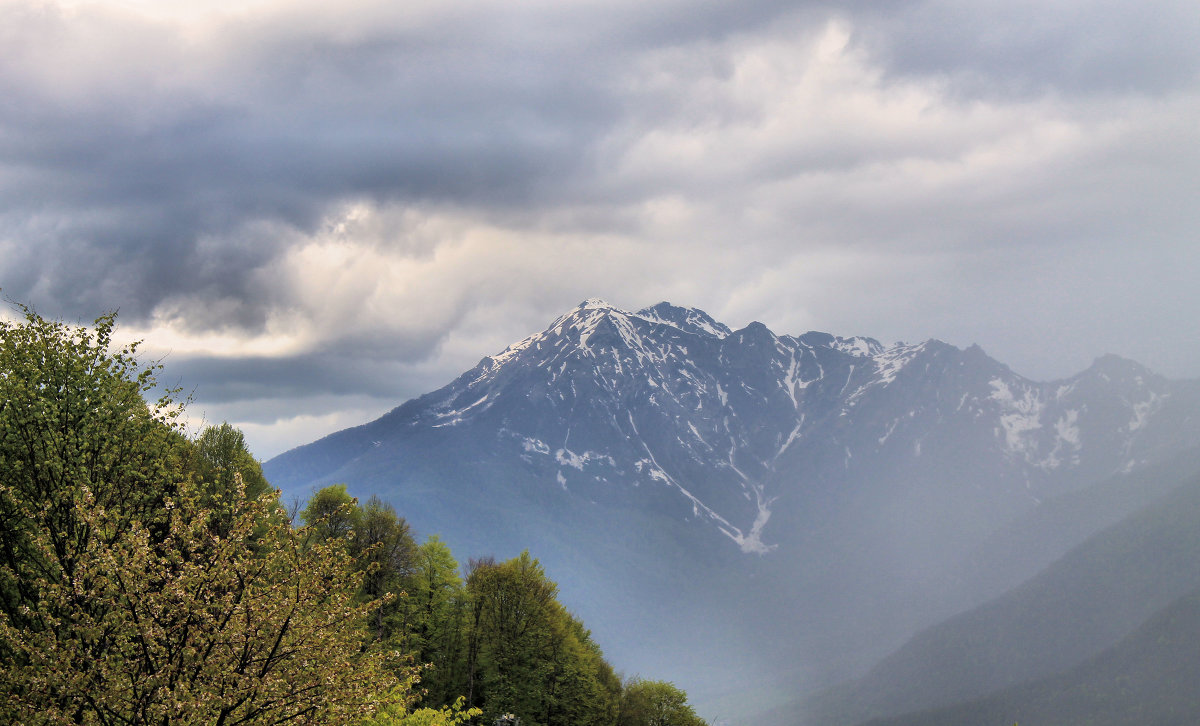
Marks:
<point>303,202</point>
<point>994,48</point>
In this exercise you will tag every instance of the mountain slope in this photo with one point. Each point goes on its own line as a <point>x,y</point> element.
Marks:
<point>791,497</point>
<point>724,419</point>
<point>1083,603</point>
<point>1149,677</point>
<point>1026,545</point>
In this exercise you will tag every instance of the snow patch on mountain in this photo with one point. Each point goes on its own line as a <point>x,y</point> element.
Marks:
<point>1143,410</point>
<point>889,362</point>
<point>453,417</point>
<point>858,347</point>
<point>509,353</point>
<point>566,457</point>
<point>534,446</point>
<point>751,542</point>
<point>1020,416</point>
<point>1067,442</point>
<point>888,434</point>
<point>689,320</point>
<point>795,434</point>
<point>793,382</point>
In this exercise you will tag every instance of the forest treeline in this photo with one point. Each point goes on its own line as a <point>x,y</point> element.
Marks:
<point>152,577</point>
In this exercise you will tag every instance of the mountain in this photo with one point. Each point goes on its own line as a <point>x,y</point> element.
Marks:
<point>1085,602</point>
<point>1149,677</point>
<point>1028,544</point>
<point>735,505</point>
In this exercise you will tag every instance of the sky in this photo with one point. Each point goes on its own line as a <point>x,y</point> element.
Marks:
<point>312,211</point>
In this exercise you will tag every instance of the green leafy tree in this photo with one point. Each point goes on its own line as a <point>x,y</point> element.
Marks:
<point>199,630</point>
<point>455,714</point>
<point>656,703</point>
<point>331,514</point>
<point>439,603</point>
<point>513,630</point>
<point>223,455</point>
<point>119,600</point>
<point>533,658</point>
<point>384,550</point>
<point>74,427</point>
<point>228,473</point>
<point>582,688</point>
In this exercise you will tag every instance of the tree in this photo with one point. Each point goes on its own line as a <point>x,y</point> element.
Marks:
<point>534,659</point>
<point>582,688</point>
<point>200,629</point>
<point>229,473</point>
<point>119,600</point>
<point>655,703</point>
<point>74,426</point>
<point>331,514</point>
<point>455,714</point>
<point>513,630</point>
<point>383,548</point>
<point>439,605</point>
<point>380,544</point>
<point>223,455</point>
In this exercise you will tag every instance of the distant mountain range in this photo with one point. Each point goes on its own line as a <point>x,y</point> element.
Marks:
<point>757,511</point>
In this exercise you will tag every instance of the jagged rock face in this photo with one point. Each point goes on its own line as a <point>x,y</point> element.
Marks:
<point>726,427</point>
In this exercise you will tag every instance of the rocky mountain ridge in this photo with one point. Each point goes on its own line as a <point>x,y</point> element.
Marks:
<point>660,462</point>
<point>727,420</point>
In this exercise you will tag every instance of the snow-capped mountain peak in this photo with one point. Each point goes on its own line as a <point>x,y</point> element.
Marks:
<point>722,425</point>
<point>690,320</point>
<point>664,448</point>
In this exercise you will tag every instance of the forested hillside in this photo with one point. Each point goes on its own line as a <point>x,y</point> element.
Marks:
<point>151,576</point>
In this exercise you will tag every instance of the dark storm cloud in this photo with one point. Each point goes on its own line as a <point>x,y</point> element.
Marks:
<point>269,125</point>
<point>134,173</point>
<point>376,187</point>
<point>126,189</point>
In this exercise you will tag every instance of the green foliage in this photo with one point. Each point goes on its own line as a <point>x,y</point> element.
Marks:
<point>147,578</point>
<point>439,615</point>
<point>381,547</point>
<point>197,629</point>
<point>228,474</point>
<point>384,550</point>
<point>456,714</point>
<point>655,703</point>
<point>120,601</point>
<point>73,420</point>
<point>532,658</point>
<point>223,457</point>
<point>331,514</point>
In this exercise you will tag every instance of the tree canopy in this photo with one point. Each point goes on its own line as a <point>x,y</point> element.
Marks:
<point>149,577</point>
<point>139,583</point>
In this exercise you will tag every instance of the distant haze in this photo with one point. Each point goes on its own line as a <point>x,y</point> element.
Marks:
<point>314,212</point>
